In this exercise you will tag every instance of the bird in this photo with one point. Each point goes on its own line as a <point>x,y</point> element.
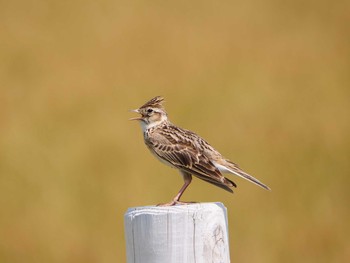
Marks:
<point>185,151</point>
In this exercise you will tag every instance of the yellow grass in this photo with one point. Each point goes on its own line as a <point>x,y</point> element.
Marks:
<point>265,82</point>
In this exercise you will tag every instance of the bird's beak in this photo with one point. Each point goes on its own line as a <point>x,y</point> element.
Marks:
<point>136,118</point>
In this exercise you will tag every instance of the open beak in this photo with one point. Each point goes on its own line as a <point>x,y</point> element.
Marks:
<point>136,118</point>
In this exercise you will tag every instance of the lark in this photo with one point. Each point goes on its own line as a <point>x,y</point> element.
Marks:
<point>185,151</point>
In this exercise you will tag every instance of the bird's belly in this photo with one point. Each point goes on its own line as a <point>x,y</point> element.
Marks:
<point>160,159</point>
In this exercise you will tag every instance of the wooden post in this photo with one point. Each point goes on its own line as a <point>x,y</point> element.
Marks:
<point>177,234</point>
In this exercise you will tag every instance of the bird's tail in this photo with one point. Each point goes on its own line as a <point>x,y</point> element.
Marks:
<point>234,169</point>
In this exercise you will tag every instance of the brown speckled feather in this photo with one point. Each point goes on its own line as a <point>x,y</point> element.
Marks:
<point>186,151</point>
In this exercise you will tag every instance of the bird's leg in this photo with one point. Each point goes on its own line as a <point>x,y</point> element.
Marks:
<point>187,180</point>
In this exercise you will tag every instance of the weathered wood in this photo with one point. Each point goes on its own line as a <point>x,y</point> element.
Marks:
<point>177,234</point>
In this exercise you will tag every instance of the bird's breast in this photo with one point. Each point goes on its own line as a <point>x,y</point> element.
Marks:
<point>151,149</point>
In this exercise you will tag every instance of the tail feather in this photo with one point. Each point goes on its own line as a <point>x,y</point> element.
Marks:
<point>234,169</point>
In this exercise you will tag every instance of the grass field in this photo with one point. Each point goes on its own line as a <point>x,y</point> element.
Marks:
<point>266,83</point>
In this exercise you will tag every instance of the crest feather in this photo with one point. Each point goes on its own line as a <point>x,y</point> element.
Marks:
<point>156,102</point>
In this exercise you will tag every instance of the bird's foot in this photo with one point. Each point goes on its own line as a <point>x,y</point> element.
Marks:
<point>176,202</point>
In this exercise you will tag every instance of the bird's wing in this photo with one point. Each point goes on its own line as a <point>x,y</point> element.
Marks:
<point>187,157</point>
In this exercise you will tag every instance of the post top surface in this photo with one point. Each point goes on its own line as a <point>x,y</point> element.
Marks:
<point>132,211</point>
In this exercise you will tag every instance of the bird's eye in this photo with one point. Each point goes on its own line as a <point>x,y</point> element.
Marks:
<point>149,110</point>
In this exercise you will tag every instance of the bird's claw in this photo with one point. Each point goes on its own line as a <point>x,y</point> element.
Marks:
<point>175,202</point>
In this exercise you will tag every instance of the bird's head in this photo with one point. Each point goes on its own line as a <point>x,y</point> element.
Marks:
<point>152,113</point>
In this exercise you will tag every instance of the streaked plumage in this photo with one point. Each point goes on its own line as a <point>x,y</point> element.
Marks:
<point>185,150</point>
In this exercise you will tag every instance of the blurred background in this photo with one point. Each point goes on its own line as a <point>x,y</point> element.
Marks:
<point>266,83</point>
